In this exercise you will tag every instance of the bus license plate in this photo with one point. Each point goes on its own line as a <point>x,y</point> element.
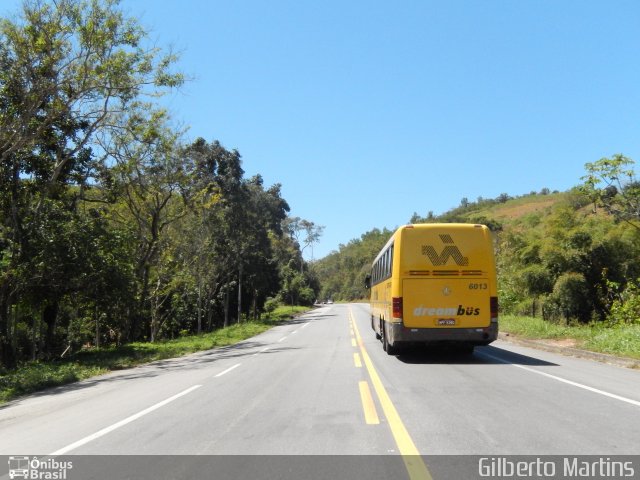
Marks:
<point>446,321</point>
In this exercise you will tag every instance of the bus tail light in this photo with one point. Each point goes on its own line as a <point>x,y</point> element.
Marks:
<point>397,307</point>
<point>494,308</point>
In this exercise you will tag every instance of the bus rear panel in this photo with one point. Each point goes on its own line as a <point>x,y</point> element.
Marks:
<point>435,284</point>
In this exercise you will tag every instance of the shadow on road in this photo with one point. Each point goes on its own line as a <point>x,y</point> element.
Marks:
<point>304,319</point>
<point>482,356</point>
<point>194,361</point>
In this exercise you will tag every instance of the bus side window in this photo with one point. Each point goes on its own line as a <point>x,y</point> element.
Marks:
<point>384,265</point>
<point>387,265</point>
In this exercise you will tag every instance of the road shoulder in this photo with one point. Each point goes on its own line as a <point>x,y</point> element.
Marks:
<point>550,346</point>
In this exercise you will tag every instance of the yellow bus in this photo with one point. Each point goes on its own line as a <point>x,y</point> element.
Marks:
<point>435,284</point>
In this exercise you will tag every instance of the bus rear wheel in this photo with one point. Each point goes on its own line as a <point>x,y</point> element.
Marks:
<point>386,346</point>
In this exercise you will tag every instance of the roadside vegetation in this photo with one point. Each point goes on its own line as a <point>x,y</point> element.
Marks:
<point>35,376</point>
<point>621,340</point>
<point>568,262</point>
<point>116,230</point>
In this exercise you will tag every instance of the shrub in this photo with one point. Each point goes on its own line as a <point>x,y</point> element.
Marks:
<point>537,280</point>
<point>270,305</point>
<point>570,298</point>
<point>306,296</point>
<point>626,307</point>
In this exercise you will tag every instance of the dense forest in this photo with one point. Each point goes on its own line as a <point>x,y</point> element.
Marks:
<point>572,256</point>
<point>113,226</point>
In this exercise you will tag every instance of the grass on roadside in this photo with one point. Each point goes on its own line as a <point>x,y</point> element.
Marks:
<point>35,376</point>
<point>623,340</point>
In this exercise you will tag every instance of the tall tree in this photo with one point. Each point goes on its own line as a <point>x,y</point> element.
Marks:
<point>612,184</point>
<point>68,67</point>
<point>149,177</point>
<point>304,232</point>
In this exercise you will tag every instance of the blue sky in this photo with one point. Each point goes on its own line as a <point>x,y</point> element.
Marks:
<point>366,112</point>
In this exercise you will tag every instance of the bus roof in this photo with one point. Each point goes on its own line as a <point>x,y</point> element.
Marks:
<point>426,226</point>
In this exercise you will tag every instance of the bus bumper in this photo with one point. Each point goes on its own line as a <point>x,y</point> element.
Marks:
<point>399,334</point>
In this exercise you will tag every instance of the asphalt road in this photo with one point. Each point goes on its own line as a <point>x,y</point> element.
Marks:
<point>321,385</point>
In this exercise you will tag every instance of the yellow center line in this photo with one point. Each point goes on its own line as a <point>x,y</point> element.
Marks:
<point>410,454</point>
<point>353,342</point>
<point>356,360</point>
<point>369,407</point>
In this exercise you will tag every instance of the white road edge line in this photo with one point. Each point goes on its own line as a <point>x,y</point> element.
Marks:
<point>305,325</point>
<point>283,338</point>
<point>569,382</point>
<point>121,423</point>
<point>224,372</point>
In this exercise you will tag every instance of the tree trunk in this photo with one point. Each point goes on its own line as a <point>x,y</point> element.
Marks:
<point>34,337</point>
<point>254,304</point>
<point>209,312</point>
<point>7,353</point>
<point>50,317</point>
<point>97,327</point>
<point>144,300</point>
<point>199,307</point>
<point>226,307</point>
<point>240,294</point>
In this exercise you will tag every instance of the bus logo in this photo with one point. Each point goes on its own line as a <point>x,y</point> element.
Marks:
<point>26,467</point>
<point>18,467</point>
<point>450,251</point>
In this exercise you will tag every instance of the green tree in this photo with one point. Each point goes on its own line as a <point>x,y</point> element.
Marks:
<point>536,281</point>
<point>148,178</point>
<point>625,307</point>
<point>68,69</point>
<point>612,184</point>
<point>241,228</point>
<point>570,297</point>
<point>304,232</point>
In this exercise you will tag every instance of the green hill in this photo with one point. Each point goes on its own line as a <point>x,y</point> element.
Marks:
<point>342,272</point>
<point>558,257</point>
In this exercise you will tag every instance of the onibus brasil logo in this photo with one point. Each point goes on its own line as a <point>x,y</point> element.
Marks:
<point>33,468</point>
